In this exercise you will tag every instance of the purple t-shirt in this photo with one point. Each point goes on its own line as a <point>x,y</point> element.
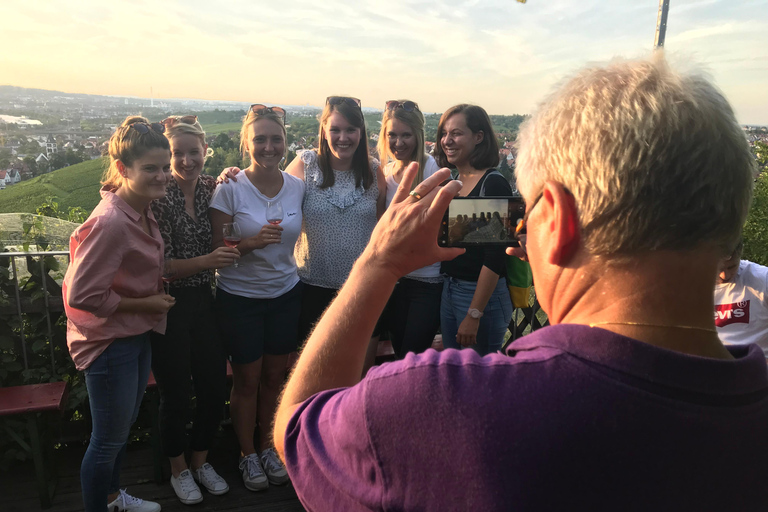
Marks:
<point>578,418</point>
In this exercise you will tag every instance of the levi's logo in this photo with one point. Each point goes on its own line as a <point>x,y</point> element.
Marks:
<point>736,313</point>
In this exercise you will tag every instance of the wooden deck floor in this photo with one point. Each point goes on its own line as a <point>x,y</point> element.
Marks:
<point>18,491</point>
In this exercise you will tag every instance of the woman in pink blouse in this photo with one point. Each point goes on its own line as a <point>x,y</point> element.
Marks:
<point>113,297</point>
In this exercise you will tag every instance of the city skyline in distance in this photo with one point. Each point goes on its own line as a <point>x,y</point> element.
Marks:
<point>502,55</point>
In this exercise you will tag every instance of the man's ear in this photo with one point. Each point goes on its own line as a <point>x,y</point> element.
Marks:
<point>562,223</point>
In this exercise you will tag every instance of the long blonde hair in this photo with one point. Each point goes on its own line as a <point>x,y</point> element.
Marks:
<point>415,121</point>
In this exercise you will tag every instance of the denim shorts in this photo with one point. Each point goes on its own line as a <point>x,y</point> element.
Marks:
<point>251,328</point>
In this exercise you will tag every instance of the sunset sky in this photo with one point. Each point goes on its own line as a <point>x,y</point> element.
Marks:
<point>500,54</point>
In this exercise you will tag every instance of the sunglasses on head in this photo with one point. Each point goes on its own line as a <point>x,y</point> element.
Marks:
<point>168,122</point>
<point>408,106</point>
<point>143,127</point>
<point>259,110</point>
<point>338,100</point>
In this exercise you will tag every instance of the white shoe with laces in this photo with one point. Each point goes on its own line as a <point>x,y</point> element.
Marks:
<point>273,466</point>
<point>253,474</point>
<point>206,476</point>
<point>186,489</point>
<point>127,503</point>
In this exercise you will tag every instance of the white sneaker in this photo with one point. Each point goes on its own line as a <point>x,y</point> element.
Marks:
<point>253,474</point>
<point>206,476</point>
<point>273,466</point>
<point>186,489</point>
<point>126,502</point>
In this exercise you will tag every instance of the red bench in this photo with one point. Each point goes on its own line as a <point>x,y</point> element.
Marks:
<point>35,401</point>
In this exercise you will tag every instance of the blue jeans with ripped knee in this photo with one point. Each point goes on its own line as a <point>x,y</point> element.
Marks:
<point>116,381</point>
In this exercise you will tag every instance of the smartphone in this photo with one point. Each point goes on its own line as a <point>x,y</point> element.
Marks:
<point>479,221</point>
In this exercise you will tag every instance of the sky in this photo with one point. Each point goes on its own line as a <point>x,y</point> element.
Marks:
<point>500,54</point>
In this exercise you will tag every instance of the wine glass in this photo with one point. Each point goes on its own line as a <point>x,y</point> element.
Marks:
<point>167,276</point>
<point>232,236</point>
<point>274,213</point>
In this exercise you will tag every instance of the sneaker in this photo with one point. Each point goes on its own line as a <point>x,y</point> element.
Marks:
<point>253,475</point>
<point>186,489</point>
<point>126,502</point>
<point>206,476</point>
<point>276,472</point>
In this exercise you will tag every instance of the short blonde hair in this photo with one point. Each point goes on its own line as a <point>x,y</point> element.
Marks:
<point>179,128</point>
<point>653,157</point>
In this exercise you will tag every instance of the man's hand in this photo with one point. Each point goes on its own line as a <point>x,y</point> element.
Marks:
<point>405,238</point>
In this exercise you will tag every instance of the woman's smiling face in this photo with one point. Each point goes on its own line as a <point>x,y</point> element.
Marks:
<point>342,136</point>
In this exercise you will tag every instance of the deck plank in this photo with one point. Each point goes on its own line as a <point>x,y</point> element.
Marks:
<point>19,493</point>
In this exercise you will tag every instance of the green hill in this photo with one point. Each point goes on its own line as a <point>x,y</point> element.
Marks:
<point>76,185</point>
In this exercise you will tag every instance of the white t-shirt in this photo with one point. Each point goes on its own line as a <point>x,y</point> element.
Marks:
<point>269,272</point>
<point>430,168</point>
<point>741,311</point>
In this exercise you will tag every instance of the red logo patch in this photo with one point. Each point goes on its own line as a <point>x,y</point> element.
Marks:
<point>736,313</point>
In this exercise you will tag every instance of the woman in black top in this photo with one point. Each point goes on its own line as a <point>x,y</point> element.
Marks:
<point>476,308</point>
<point>189,353</point>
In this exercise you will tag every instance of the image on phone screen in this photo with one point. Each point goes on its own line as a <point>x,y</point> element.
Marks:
<point>471,221</point>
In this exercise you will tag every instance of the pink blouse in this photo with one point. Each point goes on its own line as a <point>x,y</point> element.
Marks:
<point>111,257</point>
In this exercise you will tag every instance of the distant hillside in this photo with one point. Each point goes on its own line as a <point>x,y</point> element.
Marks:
<point>76,185</point>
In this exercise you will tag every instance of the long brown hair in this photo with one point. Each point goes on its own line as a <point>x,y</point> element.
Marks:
<point>486,153</point>
<point>361,165</point>
<point>128,145</point>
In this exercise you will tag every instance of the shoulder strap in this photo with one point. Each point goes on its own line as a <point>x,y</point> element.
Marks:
<point>482,187</point>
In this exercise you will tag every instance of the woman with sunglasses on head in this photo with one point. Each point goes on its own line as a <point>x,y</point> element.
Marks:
<point>113,298</point>
<point>258,301</point>
<point>190,352</point>
<point>476,307</point>
<point>345,196</point>
<point>412,315</point>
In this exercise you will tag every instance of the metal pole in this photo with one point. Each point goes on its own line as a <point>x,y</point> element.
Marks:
<point>661,24</point>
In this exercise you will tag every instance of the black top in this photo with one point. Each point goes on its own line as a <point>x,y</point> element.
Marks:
<point>467,266</point>
<point>183,237</point>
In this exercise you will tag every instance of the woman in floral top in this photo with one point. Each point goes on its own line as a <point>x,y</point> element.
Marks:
<point>190,346</point>
<point>345,196</point>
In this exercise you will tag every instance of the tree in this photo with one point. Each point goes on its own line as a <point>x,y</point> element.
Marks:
<point>5,158</point>
<point>72,157</point>
<point>756,228</point>
<point>58,160</point>
<point>31,164</point>
<point>760,150</point>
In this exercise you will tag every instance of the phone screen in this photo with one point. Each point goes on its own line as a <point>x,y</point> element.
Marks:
<point>475,221</point>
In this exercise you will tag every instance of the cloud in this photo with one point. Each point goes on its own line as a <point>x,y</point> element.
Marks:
<point>499,53</point>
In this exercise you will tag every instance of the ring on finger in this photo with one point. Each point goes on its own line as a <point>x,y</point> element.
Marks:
<point>415,194</point>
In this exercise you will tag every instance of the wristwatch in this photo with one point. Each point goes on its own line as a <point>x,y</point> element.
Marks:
<point>475,313</point>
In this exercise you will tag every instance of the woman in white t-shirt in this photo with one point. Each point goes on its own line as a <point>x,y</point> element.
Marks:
<point>258,302</point>
<point>412,315</point>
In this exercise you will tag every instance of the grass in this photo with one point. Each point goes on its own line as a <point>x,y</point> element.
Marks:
<point>76,185</point>
<point>215,129</point>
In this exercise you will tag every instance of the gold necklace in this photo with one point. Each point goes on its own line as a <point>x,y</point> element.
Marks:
<point>641,324</point>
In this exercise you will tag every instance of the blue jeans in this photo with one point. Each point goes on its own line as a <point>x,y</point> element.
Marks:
<point>457,297</point>
<point>116,382</point>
